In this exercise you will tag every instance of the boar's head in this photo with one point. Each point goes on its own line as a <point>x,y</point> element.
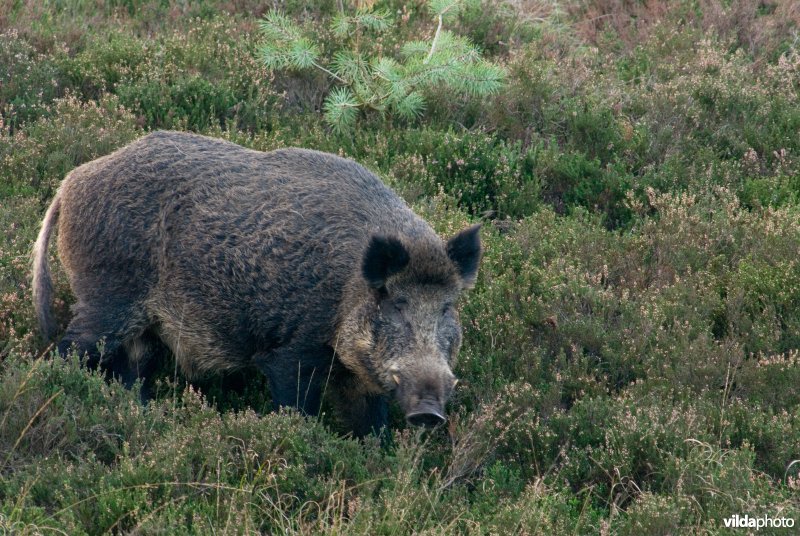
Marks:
<point>405,334</point>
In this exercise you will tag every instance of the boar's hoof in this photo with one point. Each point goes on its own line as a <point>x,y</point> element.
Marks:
<point>427,414</point>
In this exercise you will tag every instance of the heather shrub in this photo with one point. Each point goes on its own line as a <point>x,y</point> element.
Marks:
<point>29,80</point>
<point>182,457</point>
<point>679,109</point>
<point>543,292</point>
<point>37,157</point>
<point>573,180</point>
<point>484,175</point>
<point>106,60</point>
<point>731,247</point>
<point>200,78</point>
<point>769,432</point>
<point>179,465</point>
<point>46,23</point>
<point>568,298</point>
<point>767,379</point>
<point>720,100</point>
<point>38,400</point>
<point>670,442</point>
<point>772,190</point>
<point>636,433</point>
<point>18,221</point>
<point>589,153</point>
<point>763,303</point>
<point>190,102</point>
<point>543,509</point>
<point>658,515</point>
<point>763,30</point>
<point>721,482</point>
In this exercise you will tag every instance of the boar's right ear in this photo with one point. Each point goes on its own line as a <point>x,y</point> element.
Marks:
<point>384,256</point>
<point>464,249</point>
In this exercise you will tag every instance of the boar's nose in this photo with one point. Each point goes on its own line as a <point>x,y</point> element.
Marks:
<point>427,413</point>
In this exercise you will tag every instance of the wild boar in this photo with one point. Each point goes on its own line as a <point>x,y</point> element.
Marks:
<point>296,262</point>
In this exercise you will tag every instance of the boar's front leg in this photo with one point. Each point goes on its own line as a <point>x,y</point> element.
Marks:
<point>296,375</point>
<point>361,412</point>
<point>369,414</point>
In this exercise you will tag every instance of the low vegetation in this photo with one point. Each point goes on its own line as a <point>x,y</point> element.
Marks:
<point>632,347</point>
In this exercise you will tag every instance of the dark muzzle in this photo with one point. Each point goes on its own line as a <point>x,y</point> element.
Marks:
<point>427,413</point>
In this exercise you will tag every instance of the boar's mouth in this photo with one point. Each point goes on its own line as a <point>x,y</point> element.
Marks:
<point>427,413</point>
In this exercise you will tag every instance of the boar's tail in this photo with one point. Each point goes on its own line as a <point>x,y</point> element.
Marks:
<point>42,280</point>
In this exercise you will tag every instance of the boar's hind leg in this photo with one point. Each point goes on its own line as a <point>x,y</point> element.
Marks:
<point>97,333</point>
<point>296,376</point>
<point>143,355</point>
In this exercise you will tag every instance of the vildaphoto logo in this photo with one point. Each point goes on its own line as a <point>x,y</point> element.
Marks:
<point>746,522</point>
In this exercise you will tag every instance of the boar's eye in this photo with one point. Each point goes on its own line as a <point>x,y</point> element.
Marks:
<point>391,306</point>
<point>401,304</point>
<point>447,308</point>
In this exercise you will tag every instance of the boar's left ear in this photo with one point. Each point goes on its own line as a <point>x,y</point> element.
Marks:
<point>464,249</point>
<point>384,257</point>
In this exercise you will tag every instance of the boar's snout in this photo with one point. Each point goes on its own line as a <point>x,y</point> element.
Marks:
<point>423,393</point>
<point>428,413</point>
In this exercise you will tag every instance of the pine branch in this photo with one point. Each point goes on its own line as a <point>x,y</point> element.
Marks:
<point>331,74</point>
<point>435,40</point>
<point>383,84</point>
